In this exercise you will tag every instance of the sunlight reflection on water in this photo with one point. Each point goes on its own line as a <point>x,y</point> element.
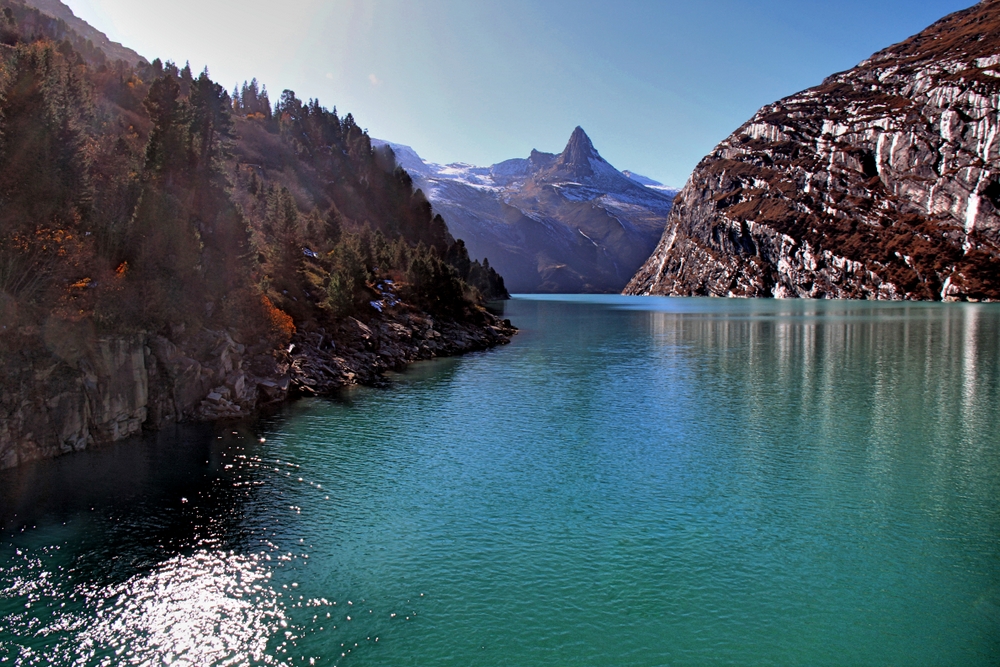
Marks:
<point>700,482</point>
<point>206,608</point>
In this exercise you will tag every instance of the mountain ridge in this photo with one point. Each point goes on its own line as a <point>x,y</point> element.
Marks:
<point>59,10</point>
<point>550,222</point>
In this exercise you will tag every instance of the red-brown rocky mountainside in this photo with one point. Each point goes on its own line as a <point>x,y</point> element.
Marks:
<point>881,183</point>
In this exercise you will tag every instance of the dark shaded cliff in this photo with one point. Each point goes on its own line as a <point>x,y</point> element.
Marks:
<point>881,183</point>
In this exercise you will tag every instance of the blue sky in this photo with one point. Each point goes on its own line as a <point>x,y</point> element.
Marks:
<point>655,84</point>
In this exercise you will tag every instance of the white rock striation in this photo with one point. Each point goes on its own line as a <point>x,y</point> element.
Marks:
<point>881,183</point>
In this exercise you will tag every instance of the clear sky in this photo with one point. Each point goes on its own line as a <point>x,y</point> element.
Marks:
<point>656,84</point>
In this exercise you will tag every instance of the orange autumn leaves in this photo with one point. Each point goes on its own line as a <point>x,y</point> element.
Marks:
<point>281,323</point>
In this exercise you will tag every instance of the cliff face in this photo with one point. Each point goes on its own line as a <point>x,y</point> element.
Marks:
<point>82,390</point>
<point>881,183</point>
<point>54,405</point>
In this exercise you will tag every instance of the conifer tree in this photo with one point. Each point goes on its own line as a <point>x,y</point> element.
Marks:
<point>45,185</point>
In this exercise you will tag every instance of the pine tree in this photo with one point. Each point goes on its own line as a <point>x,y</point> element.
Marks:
<point>45,184</point>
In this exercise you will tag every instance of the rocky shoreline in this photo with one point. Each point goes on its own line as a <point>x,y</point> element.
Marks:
<point>65,388</point>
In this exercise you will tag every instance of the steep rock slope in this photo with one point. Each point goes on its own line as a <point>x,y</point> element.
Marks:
<point>881,183</point>
<point>548,223</point>
<point>60,11</point>
<point>83,390</point>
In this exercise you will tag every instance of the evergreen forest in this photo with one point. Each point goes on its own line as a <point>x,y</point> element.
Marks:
<point>145,196</point>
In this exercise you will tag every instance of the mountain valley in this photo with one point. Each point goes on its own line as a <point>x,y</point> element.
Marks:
<point>563,223</point>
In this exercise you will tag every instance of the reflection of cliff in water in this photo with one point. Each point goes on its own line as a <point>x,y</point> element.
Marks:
<point>877,379</point>
<point>153,497</point>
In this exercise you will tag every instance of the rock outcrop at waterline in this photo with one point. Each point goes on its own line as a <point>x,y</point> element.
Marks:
<point>82,390</point>
<point>881,183</point>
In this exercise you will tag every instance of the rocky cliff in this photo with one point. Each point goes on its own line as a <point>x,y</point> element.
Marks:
<point>78,389</point>
<point>170,253</point>
<point>567,222</point>
<point>881,183</point>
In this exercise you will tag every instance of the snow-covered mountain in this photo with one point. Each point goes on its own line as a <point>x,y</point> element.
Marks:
<point>548,223</point>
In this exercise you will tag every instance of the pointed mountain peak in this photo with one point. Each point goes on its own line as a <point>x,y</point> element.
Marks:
<point>579,136</point>
<point>579,164</point>
<point>578,158</point>
<point>579,150</point>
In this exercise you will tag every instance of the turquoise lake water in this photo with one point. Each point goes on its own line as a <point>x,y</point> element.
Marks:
<point>633,481</point>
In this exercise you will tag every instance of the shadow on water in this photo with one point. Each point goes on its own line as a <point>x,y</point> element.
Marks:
<point>496,307</point>
<point>149,497</point>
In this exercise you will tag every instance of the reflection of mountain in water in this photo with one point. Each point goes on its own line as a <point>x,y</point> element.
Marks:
<point>549,223</point>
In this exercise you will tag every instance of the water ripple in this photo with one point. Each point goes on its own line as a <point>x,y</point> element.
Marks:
<point>630,482</point>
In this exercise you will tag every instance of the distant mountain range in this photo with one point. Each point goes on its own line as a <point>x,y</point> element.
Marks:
<point>883,182</point>
<point>548,223</point>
